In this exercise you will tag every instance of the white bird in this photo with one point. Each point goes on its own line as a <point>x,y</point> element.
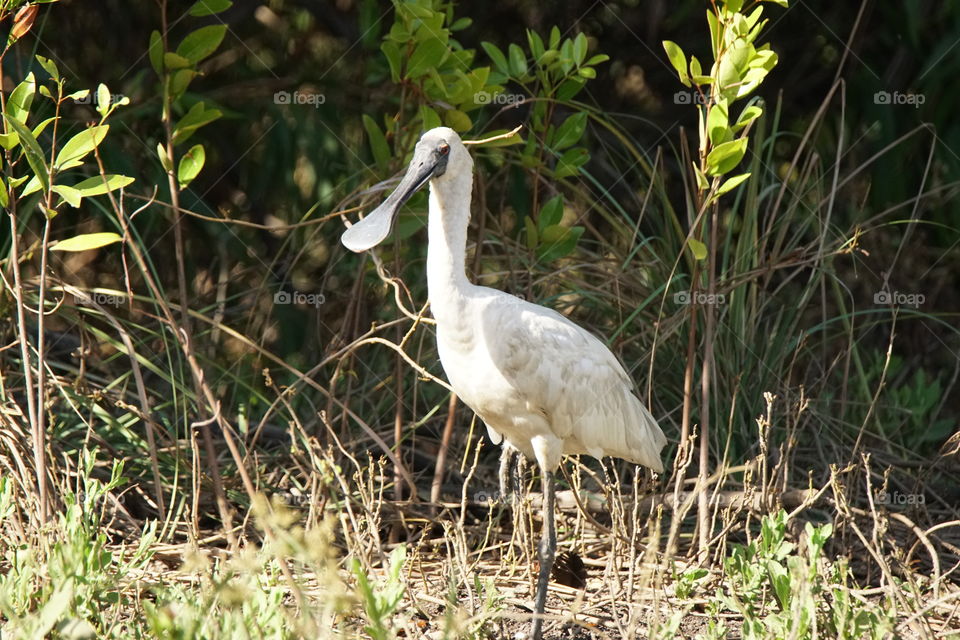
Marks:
<point>540,383</point>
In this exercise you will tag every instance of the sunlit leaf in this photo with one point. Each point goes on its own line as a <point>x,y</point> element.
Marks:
<point>678,60</point>
<point>98,185</point>
<point>69,194</point>
<point>732,183</point>
<point>190,165</point>
<point>698,249</point>
<point>72,153</point>
<point>87,241</point>
<point>32,150</point>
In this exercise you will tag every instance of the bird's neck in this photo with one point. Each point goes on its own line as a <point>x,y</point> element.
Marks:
<point>449,216</point>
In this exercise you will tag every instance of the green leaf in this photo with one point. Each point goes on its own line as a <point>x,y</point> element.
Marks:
<point>37,130</point>
<point>732,183</point>
<point>198,116</point>
<point>428,55</point>
<point>458,120</point>
<point>698,249</point>
<point>70,195</point>
<point>32,150</point>
<point>103,100</point>
<point>726,156</point>
<point>79,146</point>
<point>531,235</point>
<point>569,88</point>
<point>570,162</point>
<point>180,80</point>
<point>202,42</point>
<point>554,37</point>
<point>392,53</point>
<point>165,160</point>
<point>748,115</point>
<point>702,183</point>
<point>4,196</point>
<point>429,117</point>
<point>203,8</point>
<point>551,213</point>
<point>98,185</point>
<point>87,241</point>
<point>378,143</point>
<point>570,132</point>
<point>717,126</point>
<point>155,50</point>
<point>496,56</point>
<point>9,140</point>
<point>173,61</point>
<point>49,66</point>
<point>190,165</point>
<point>558,242</point>
<point>32,186</point>
<point>678,60</point>
<point>461,24</point>
<point>20,99</point>
<point>518,61</point>
<point>536,45</point>
<point>580,48</point>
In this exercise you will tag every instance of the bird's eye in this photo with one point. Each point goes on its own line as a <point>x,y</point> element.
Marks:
<point>443,149</point>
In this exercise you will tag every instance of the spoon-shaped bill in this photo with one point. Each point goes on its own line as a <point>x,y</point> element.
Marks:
<point>374,229</point>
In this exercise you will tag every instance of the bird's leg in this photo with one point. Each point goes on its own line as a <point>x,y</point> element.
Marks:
<point>506,458</point>
<point>548,551</point>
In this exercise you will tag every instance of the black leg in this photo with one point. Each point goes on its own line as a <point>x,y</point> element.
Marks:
<point>548,551</point>
<point>506,458</point>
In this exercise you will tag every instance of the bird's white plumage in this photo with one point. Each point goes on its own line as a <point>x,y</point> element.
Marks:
<point>535,378</point>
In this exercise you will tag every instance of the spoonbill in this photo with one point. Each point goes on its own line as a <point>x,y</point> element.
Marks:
<point>541,384</point>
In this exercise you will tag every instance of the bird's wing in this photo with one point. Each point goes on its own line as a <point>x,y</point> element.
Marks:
<point>567,374</point>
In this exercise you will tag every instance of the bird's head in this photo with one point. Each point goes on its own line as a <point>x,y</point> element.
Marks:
<point>440,157</point>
